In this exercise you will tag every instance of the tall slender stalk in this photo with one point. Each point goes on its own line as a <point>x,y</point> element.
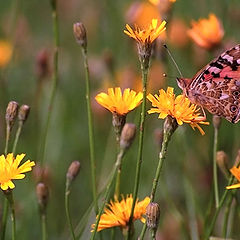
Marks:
<point>55,79</point>
<point>226,216</point>
<point>44,226</point>
<point>215,178</point>
<point>144,70</point>
<point>90,131</point>
<point>13,219</point>
<point>19,130</point>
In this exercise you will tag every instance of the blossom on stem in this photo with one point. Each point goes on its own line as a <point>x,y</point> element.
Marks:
<point>235,171</point>
<point>178,107</point>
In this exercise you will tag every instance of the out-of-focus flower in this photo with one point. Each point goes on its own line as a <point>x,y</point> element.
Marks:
<point>117,213</point>
<point>6,50</point>
<point>119,103</point>
<point>10,169</point>
<point>164,6</point>
<point>177,33</point>
<point>178,107</point>
<point>207,33</point>
<point>235,171</point>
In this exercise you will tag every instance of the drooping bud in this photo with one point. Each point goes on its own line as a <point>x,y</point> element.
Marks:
<point>217,121</point>
<point>222,162</point>
<point>73,171</point>
<point>42,196</point>
<point>23,113</point>
<point>127,135</point>
<point>118,122</point>
<point>11,113</point>
<point>153,215</point>
<point>80,34</point>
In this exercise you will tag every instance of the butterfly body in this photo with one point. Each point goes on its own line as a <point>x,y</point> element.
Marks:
<point>217,86</point>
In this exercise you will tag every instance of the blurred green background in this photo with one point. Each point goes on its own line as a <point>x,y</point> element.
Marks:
<point>186,181</point>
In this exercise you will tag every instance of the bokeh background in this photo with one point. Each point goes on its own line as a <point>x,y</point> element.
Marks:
<point>186,183</point>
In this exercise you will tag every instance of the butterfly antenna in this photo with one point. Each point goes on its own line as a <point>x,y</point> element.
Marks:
<point>171,56</point>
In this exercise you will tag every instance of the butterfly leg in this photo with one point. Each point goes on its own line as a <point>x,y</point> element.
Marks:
<point>202,118</point>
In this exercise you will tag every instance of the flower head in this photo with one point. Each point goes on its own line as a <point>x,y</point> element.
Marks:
<point>178,107</point>
<point>10,169</point>
<point>119,103</point>
<point>5,53</point>
<point>207,33</point>
<point>147,35</point>
<point>235,171</point>
<point>118,213</point>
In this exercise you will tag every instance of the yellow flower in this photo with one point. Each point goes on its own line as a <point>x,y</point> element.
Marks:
<point>207,33</point>
<point>118,213</point>
<point>10,169</point>
<point>178,107</point>
<point>148,35</point>
<point>5,53</point>
<point>119,103</point>
<point>236,173</point>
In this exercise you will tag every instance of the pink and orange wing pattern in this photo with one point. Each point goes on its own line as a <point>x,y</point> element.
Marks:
<point>217,86</point>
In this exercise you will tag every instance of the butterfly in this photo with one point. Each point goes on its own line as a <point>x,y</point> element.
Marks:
<point>216,87</point>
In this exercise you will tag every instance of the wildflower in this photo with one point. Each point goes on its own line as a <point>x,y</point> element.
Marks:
<point>118,213</point>
<point>235,171</point>
<point>10,169</point>
<point>180,108</point>
<point>6,50</point>
<point>207,33</point>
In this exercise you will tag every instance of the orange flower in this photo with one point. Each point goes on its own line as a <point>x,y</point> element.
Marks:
<point>147,35</point>
<point>119,103</point>
<point>156,2</point>
<point>118,213</point>
<point>178,107</point>
<point>236,173</point>
<point>207,33</point>
<point>5,53</point>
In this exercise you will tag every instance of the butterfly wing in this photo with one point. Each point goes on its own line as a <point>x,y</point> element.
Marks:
<point>217,86</point>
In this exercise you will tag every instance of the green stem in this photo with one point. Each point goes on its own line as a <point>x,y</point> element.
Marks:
<point>44,226</point>
<point>215,178</point>
<point>8,130</point>
<point>153,234</point>
<point>226,216</point>
<point>67,193</point>
<point>107,191</point>
<point>19,130</point>
<point>140,145</point>
<point>118,181</point>
<point>168,131</point>
<point>90,131</point>
<point>55,81</point>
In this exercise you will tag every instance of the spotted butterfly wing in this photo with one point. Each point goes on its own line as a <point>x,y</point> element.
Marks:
<point>217,86</point>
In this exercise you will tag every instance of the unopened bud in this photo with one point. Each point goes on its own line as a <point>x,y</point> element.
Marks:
<point>42,196</point>
<point>23,113</point>
<point>11,113</point>
<point>217,121</point>
<point>222,162</point>
<point>80,34</point>
<point>118,122</point>
<point>127,135</point>
<point>153,215</point>
<point>237,160</point>
<point>73,170</point>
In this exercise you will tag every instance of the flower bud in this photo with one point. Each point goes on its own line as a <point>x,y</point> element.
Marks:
<point>153,215</point>
<point>222,162</point>
<point>42,196</point>
<point>23,113</point>
<point>11,113</point>
<point>73,171</point>
<point>127,135</point>
<point>217,121</point>
<point>118,122</point>
<point>80,34</point>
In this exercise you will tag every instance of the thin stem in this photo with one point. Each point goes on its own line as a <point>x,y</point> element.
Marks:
<point>19,130</point>
<point>55,81</point>
<point>90,131</point>
<point>107,191</point>
<point>215,178</point>
<point>162,155</point>
<point>140,144</point>
<point>226,216</point>
<point>67,193</point>
<point>8,130</point>
<point>118,181</point>
<point>44,226</point>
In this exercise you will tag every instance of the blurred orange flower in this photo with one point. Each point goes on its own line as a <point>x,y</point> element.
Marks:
<point>207,33</point>
<point>235,171</point>
<point>5,53</point>
<point>118,213</point>
<point>156,2</point>
<point>178,107</point>
<point>119,103</point>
